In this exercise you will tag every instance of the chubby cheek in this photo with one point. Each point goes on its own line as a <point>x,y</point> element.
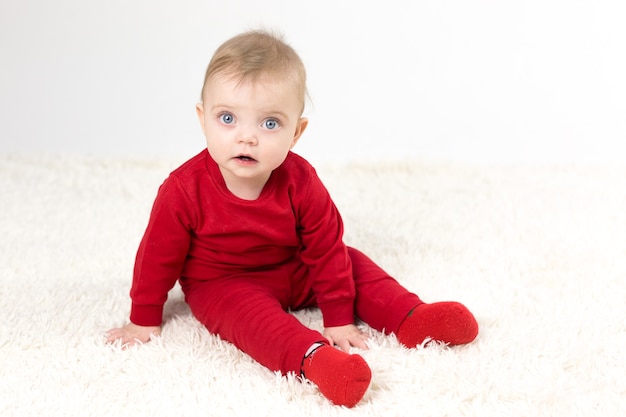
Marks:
<point>209,128</point>
<point>216,133</point>
<point>278,149</point>
<point>217,143</point>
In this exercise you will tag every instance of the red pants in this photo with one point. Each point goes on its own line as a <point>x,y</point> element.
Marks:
<point>251,311</point>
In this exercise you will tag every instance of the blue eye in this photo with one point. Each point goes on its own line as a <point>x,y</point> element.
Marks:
<point>271,124</point>
<point>227,118</point>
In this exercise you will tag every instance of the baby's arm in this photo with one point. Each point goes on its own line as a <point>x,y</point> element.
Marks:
<point>159,262</point>
<point>132,333</point>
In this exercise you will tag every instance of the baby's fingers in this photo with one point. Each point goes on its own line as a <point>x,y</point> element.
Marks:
<point>113,335</point>
<point>359,340</point>
<point>344,345</point>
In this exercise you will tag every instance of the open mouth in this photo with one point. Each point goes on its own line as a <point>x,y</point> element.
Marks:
<point>245,158</point>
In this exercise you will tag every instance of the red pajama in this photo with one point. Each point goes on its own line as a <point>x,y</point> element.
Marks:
<point>243,264</point>
<point>250,310</point>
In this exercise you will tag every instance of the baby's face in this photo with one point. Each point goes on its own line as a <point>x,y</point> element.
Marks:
<point>251,126</point>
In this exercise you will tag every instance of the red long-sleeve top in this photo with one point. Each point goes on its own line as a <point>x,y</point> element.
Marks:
<point>199,230</point>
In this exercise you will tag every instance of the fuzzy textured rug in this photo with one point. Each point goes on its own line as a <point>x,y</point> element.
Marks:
<point>538,253</point>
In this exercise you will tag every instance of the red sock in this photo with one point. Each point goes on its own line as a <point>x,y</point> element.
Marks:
<point>340,377</point>
<point>447,322</point>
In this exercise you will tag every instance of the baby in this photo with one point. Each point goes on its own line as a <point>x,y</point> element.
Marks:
<point>250,232</point>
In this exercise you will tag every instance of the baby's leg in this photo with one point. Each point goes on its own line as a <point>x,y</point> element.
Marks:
<point>247,314</point>
<point>387,306</point>
<point>251,316</point>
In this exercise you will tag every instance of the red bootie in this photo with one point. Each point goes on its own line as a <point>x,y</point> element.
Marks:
<point>448,322</point>
<point>340,377</point>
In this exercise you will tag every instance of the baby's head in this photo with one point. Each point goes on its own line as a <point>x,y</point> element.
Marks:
<point>254,55</point>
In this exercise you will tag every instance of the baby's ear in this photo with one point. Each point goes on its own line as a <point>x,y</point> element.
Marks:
<point>200,114</point>
<point>300,128</point>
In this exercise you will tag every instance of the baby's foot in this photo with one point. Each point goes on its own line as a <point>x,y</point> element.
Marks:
<point>340,377</point>
<point>449,322</point>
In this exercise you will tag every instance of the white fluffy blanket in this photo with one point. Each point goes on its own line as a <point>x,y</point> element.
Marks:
<point>538,253</point>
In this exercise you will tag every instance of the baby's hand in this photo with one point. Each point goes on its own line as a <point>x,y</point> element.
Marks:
<point>132,333</point>
<point>345,337</point>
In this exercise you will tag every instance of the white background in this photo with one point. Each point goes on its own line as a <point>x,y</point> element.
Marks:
<point>478,81</point>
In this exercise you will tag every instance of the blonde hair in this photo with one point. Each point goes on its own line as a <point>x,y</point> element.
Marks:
<point>252,55</point>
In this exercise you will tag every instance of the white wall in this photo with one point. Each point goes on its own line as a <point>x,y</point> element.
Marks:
<point>533,80</point>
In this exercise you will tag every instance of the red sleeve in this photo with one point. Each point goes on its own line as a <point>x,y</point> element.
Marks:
<point>321,231</point>
<point>161,254</point>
